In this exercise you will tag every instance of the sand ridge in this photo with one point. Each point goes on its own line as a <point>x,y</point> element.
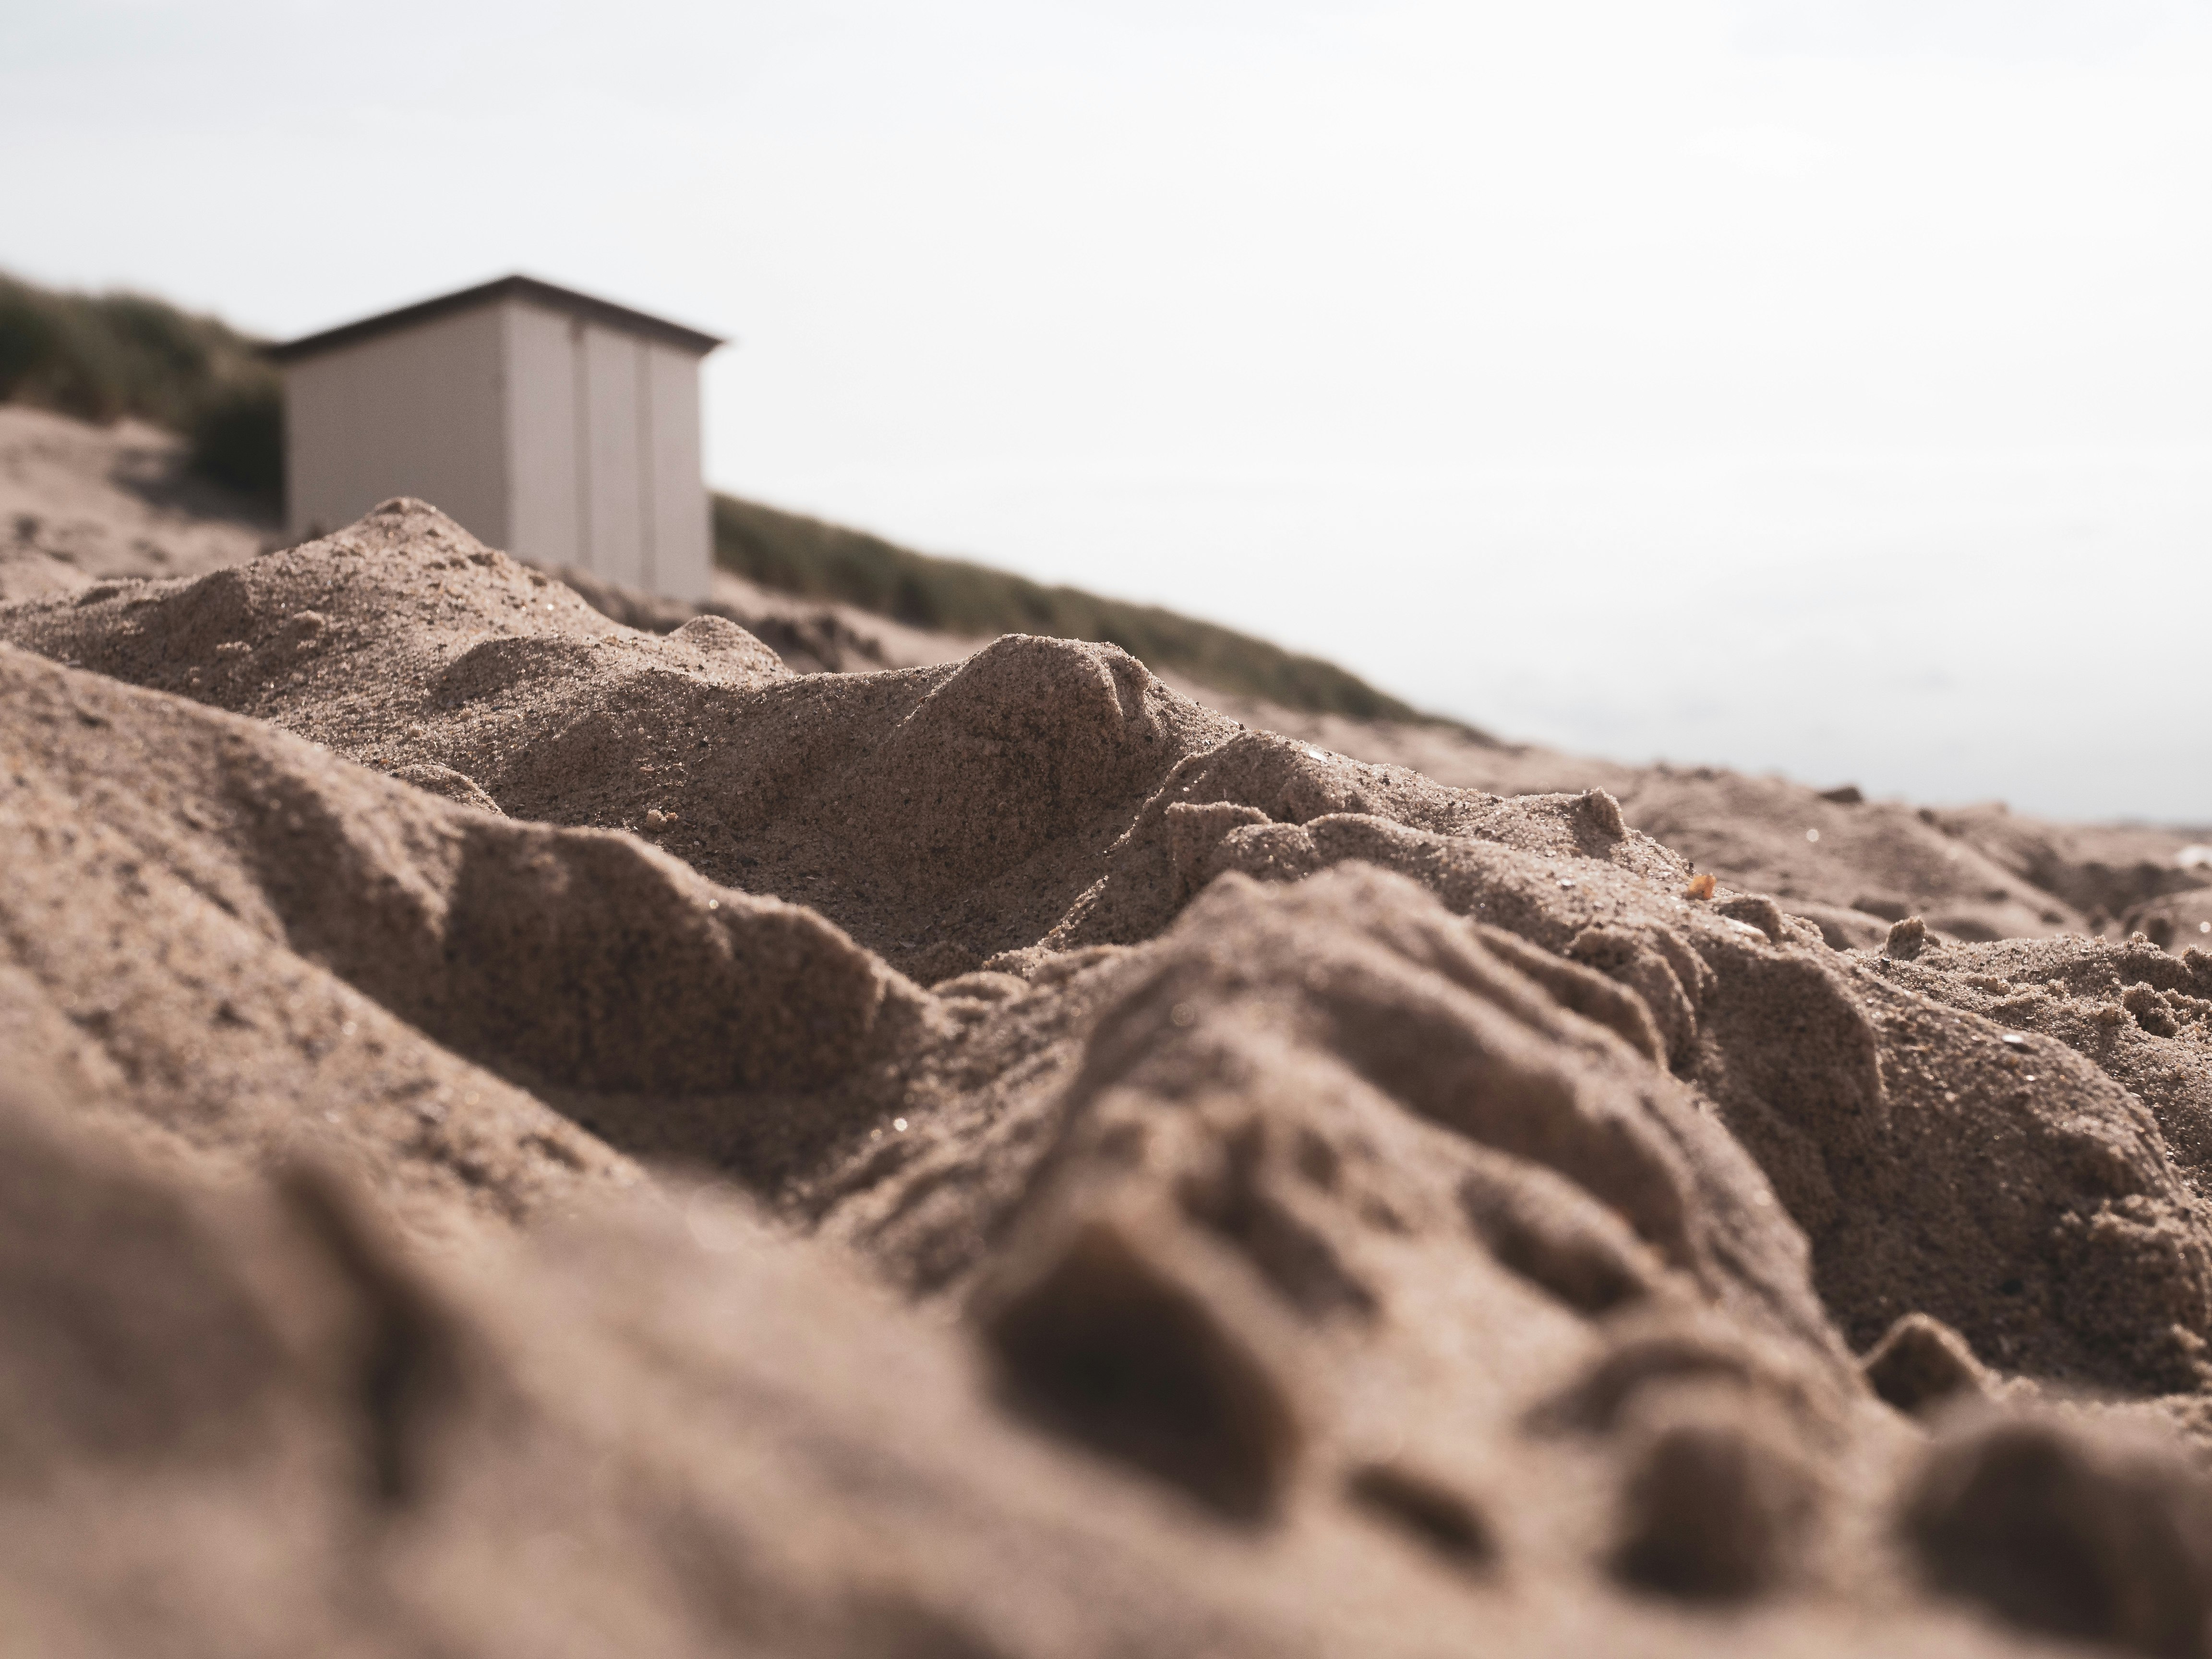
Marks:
<point>665,1152</point>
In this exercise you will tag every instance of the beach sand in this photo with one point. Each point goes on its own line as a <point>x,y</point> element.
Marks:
<point>527,1135</point>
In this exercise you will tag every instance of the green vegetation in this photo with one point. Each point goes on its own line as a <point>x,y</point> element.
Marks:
<point>798,555</point>
<point>100,357</point>
<point>237,439</point>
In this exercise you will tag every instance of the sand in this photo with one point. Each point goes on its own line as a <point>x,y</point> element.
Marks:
<point>528,1135</point>
<point>78,502</point>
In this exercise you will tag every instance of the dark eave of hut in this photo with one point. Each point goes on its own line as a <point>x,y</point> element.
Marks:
<point>550,295</point>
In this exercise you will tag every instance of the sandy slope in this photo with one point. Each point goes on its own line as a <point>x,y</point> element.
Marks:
<point>529,1136</point>
<point>78,502</point>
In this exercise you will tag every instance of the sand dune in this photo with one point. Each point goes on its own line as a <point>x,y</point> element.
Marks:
<point>78,502</point>
<point>532,1136</point>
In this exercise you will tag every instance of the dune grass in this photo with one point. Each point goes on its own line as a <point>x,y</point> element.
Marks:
<point>102,356</point>
<point>795,554</point>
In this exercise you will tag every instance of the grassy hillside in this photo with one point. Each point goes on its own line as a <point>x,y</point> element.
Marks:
<point>103,356</point>
<point>803,555</point>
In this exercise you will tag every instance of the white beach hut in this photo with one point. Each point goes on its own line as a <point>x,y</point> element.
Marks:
<point>559,426</point>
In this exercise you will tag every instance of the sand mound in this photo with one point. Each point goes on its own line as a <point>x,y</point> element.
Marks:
<point>283,1433</point>
<point>237,921</point>
<point>1309,1207</point>
<point>811,640</point>
<point>941,815</point>
<point>1850,864</point>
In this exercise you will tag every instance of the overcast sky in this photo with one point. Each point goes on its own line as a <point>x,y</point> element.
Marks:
<point>1792,384</point>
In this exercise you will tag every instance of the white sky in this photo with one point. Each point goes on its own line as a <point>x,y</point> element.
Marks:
<point>1800,384</point>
